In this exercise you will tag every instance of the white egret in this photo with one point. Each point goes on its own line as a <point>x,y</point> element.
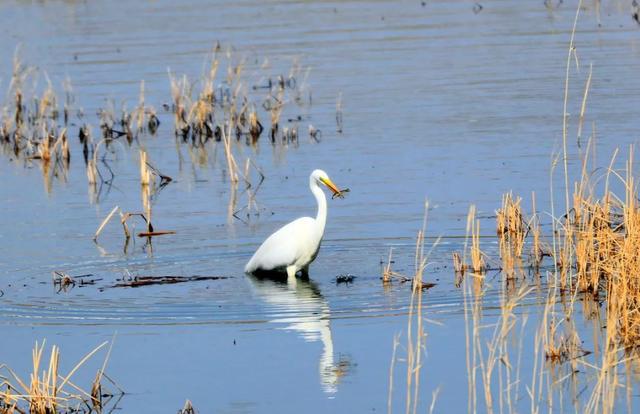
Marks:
<point>293,247</point>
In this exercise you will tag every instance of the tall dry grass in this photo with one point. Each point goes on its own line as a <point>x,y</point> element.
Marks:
<point>47,390</point>
<point>415,344</point>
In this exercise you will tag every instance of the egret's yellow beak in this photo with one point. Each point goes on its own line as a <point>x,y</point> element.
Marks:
<point>331,185</point>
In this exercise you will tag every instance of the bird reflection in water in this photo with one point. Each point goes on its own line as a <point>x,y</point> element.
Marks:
<point>306,312</point>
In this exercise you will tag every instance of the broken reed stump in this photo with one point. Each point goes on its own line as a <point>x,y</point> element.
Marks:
<point>458,265</point>
<point>124,217</point>
<point>187,408</point>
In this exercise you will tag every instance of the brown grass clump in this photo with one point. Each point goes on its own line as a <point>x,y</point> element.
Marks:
<point>29,121</point>
<point>36,123</point>
<point>387,273</point>
<point>511,228</point>
<point>471,251</point>
<point>180,94</point>
<point>604,236</point>
<point>620,263</point>
<point>595,260</point>
<point>597,249</point>
<point>225,108</point>
<point>47,391</point>
<point>597,246</point>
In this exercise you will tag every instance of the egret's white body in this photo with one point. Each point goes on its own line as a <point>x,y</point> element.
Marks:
<point>293,247</point>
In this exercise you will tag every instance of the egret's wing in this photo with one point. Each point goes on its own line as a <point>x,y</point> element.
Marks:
<point>282,248</point>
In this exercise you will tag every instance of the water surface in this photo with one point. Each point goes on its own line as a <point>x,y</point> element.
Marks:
<point>439,103</point>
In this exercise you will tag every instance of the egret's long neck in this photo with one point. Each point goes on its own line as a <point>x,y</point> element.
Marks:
<point>321,217</point>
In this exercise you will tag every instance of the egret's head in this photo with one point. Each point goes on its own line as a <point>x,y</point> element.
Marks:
<point>321,177</point>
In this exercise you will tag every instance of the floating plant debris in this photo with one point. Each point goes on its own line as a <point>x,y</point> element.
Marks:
<point>63,281</point>
<point>138,281</point>
<point>155,233</point>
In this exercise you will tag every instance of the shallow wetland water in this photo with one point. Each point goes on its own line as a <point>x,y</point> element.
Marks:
<point>444,101</point>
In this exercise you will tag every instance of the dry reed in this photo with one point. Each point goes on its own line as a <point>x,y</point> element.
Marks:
<point>416,335</point>
<point>478,264</point>
<point>47,391</point>
<point>187,408</point>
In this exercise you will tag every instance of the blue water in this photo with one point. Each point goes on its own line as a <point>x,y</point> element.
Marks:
<point>438,102</point>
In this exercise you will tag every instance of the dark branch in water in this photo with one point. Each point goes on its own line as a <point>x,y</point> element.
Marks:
<point>139,281</point>
<point>155,233</point>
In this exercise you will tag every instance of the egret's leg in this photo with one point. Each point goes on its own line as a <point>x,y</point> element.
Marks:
<point>291,275</point>
<point>305,272</point>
